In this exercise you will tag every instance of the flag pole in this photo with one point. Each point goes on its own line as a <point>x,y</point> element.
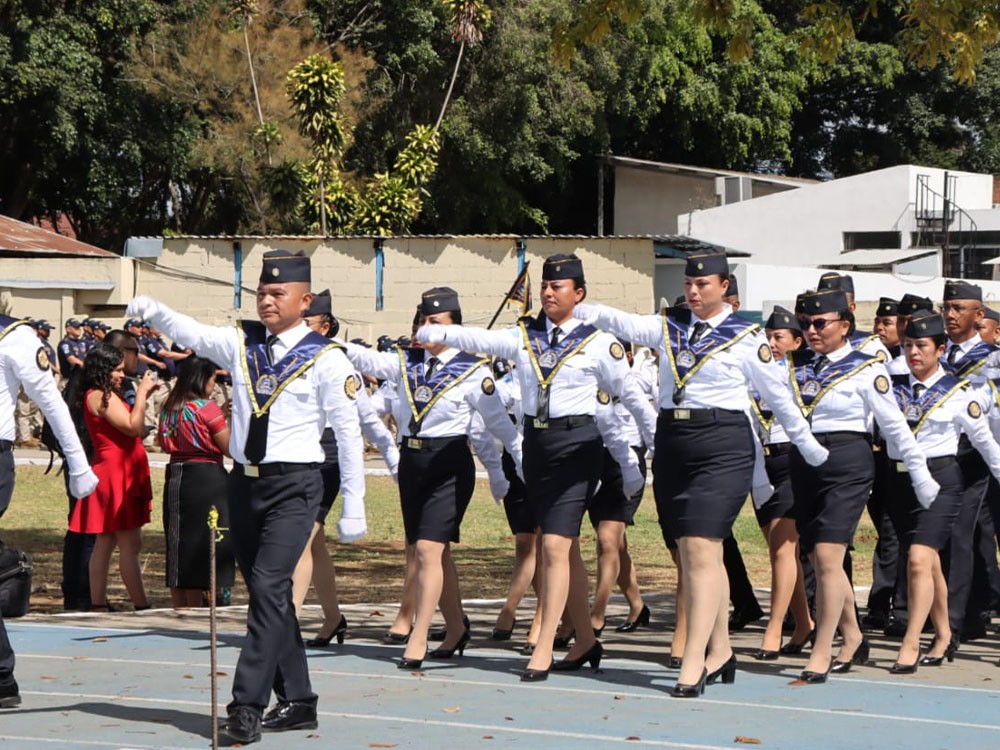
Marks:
<point>213,526</point>
<point>510,291</point>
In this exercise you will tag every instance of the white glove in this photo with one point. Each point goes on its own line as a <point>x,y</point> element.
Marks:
<point>585,312</point>
<point>142,307</point>
<point>499,488</point>
<point>814,453</point>
<point>82,483</point>
<point>632,480</point>
<point>926,492</point>
<point>351,529</point>
<point>518,467</point>
<point>432,334</point>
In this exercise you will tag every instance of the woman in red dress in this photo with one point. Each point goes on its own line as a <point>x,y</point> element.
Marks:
<point>120,506</point>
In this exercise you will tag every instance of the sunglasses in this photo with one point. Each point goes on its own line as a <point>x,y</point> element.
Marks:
<point>818,323</point>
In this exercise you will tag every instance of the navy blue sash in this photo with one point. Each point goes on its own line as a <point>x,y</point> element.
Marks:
<point>8,324</point>
<point>917,410</point>
<point>763,413</point>
<point>971,361</point>
<point>548,359</point>
<point>264,380</point>
<point>423,394</point>
<point>685,360</point>
<point>809,387</point>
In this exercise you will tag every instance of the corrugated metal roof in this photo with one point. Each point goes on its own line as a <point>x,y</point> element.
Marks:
<point>373,237</point>
<point>876,257</point>
<point>21,237</point>
<point>659,166</point>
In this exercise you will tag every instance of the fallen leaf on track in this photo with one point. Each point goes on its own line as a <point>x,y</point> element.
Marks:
<point>100,639</point>
<point>454,710</point>
<point>633,739</point>
<point>747,740</point>
<point>379,744</point>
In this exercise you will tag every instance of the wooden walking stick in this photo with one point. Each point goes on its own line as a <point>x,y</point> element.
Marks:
<point>213,537</point>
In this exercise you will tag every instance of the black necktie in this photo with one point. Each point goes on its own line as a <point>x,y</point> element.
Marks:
<point>432,364</point>
<point>918,391</point>
<point>953,353</point>
<point>820,363</point>
<point>255,447</point>
<point>271,341</point>
<point>700,329</point>
<point>556,332</point>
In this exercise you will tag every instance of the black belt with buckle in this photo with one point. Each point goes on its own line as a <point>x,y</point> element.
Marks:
<point>559,423</point>
<point>932,463</point>
<point>6,446</point>
<point>428,443</point>
<point>777,449</point>
<point>697,415</point>
<point>257,471</point>
<point>833,438</point>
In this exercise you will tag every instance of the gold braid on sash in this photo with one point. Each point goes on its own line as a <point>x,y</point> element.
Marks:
<point>945,397</point>
<point>680,382</point>
<point>546,382</point>
<point>11,327</point>
<point>808,410</point>
<point>764,422</point>
<point>418,415</point>
<point>260,410</point>
<point>996,393</point>
<point>862,344</point>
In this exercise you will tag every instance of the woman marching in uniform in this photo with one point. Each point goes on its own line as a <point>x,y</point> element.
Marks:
<point>441,387</point>
<point>561,363</point>
<point>775,516</point>
<point>703,467</point>
<point>838,387</point>
<point>938,407</point>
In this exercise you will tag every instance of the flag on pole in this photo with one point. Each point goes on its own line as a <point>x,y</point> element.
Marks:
<point>521,291</point>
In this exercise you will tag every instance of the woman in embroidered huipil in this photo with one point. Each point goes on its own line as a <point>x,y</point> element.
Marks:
<point>939,407</point>
<point>838,388</point>
<point>561,363</point>
<point>703,467</point>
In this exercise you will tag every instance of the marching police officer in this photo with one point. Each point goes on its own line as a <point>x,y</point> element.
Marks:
<point>288,382</point>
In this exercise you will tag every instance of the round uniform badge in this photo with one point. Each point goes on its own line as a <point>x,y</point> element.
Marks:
<point>880,355</point>
<point>266,384</point>
<point>617,350</point>
<point>603,397</point>
<point>351,388</point>
<point>42,359</point>
<point>764,353</point>
<point>975,410</point>
<point>882,384</point>
<point>489,387</point>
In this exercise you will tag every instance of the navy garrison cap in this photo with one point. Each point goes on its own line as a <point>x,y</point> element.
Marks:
<point>562,266</point>
<point>822,301</point>
<point>282,267</point>
<point>440,299</point>
<point>989,312</point>
<point>782,318</point>
<point>910,303</point>
<point>834,280</point>
<point>320,305</point>
<point>734,287</point>
<point>924,324</point>
<point>887,306</point>
<point>706,264</point>
<point>960,289</point>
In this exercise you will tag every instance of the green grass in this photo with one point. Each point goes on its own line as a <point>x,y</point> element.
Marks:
<point>371,570</point>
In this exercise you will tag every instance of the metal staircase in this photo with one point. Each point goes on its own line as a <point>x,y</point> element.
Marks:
<point>944,224</point>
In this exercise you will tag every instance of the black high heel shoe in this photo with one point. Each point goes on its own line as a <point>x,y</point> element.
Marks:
<point>861,654</point>
<point>898,668</point>
<point>503,634</point>
<point>630,626</point>
<point>563,641</point>
<point>762,654</point>
<point>674,662</point>
<point>396,639</point>
<point>535,675</point>
<point>338,633</point>
<point>598,631</point>
<point>949,654</point>
<point>727,672</point>
<point>528,649</point>
<point>690,691</point>
<point>442,633</point>
<point>815,678</point>
<point>409,664</point>
<point>447,653</point>
<point>593,655</point>
<point>794,649</point>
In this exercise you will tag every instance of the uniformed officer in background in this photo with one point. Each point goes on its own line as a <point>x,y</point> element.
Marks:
<point>23,363</point>
<point>72,349</point>
<point>288,382</point>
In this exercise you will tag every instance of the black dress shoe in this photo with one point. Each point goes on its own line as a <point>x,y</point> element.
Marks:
<point>674,662</point>
<point>528,649</point>
<point>763,654</point>
<point>690,691</point>
<point>875,620</point>
<point>442,634</point>
<point>396,639</point>
<point>972,631</point>
<point>861,654</point>
<point>593,655</point>
<point>726,673</point>
<point>949,654</point>
<point>630,626</point>
<point>323,641</point>
<point>503,634</point>
<point>10,697</point>
<point>289,715</point>
<point>794,649</point>
<point>447,653</point>
<point>895,627</point>
<point>409,664</point>
<point>815,678</point>
<point>898,668</point>
<point>740,618</point>
<point>563,641</point>
<point>243,725</point>
<point>535,675</point>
